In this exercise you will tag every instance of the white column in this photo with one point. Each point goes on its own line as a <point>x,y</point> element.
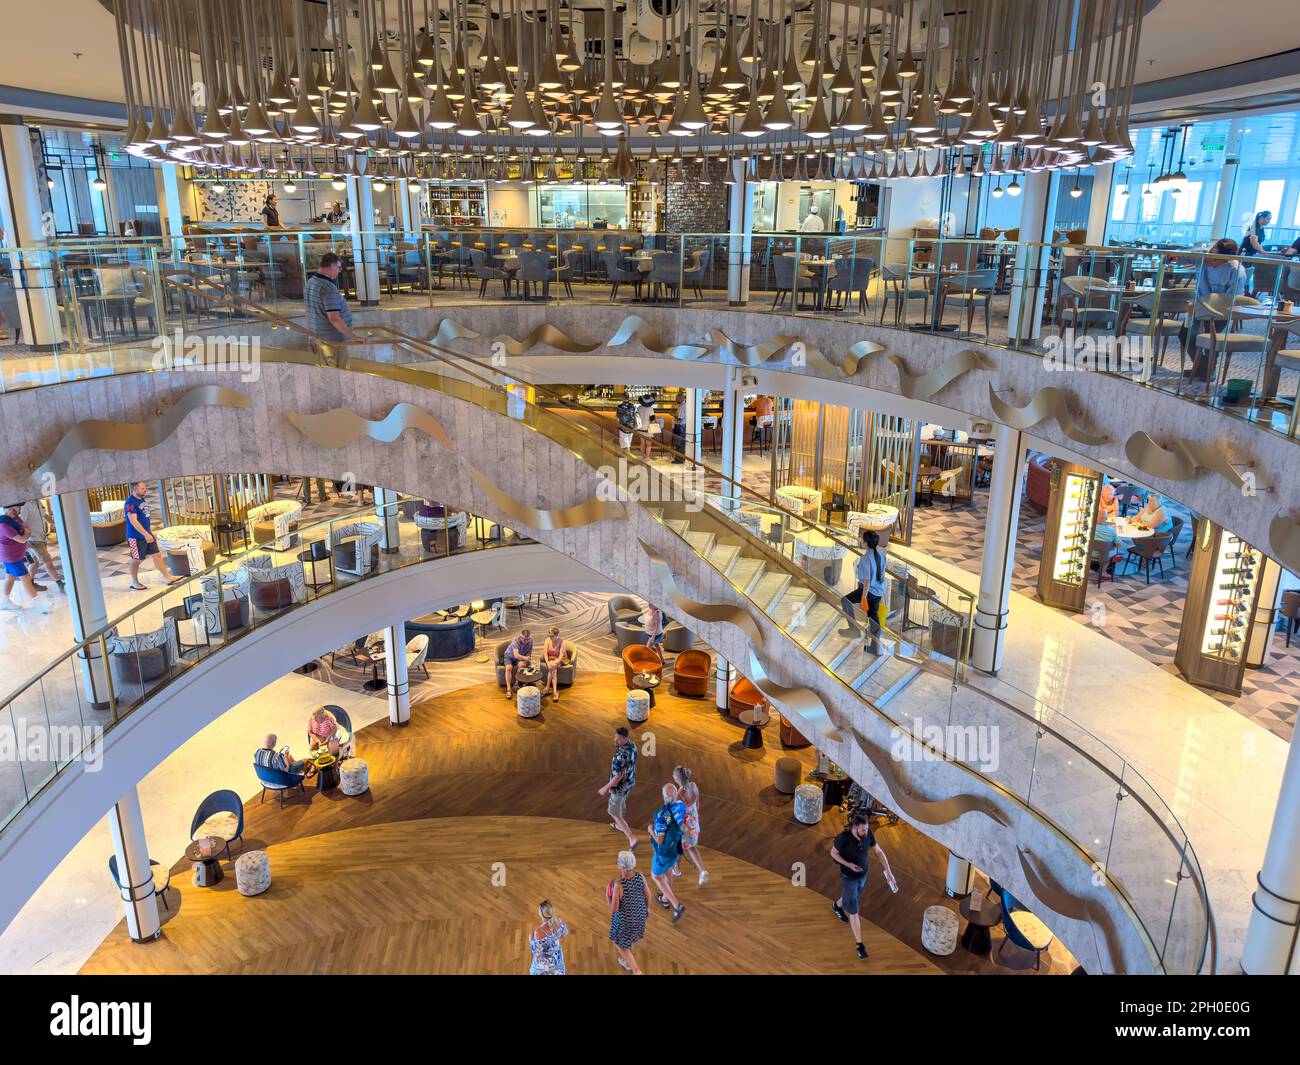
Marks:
<point>989,638</point>
<point>402,194</point>
<point>1270,948</point>
<point>1103,177</point>
<point>740,224</point>
<point>386,509</point>
<point>365,251</point>
<point>399,691</point>
<point>1262,633</point>
<point>733,429</point>
<point>20,211</point>
<point>721,682</point>
<point>126,824</point>
<point>81,581</point>
<point>1222,222</point>
<point>1029,279</point>
<point>173,208</point>
<point>694,404</point>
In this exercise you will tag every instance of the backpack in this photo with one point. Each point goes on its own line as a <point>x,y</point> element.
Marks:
<point>672,842</point>
<point>626,414</point>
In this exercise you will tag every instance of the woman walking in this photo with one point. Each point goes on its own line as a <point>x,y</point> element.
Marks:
<point>552,658</point>
<point>689,793</point>
<point>629,905</point>
<point>544,942</point>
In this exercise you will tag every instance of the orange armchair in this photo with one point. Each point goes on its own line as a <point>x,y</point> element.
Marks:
<point>744,696</point>
<point>791,737</point>
<point>691,672</point>
<point>637,658</point>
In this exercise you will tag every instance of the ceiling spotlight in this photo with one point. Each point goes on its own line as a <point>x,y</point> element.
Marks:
<point>1014,188</point>
<point>338,184</point>
<point>997,192</point>
<point>379,184</point>
<point>99,184</point>
<point>219,188</point>
<point>290,187</point>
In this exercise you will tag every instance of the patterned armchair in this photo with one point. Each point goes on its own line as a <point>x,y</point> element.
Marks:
<point>232,596</point>
<point>274,521</point>
<point>355,546</point>
<point>272,587</point>
<point>187,548</point>
<point>434,523</point>
<point>146,657</point>
<point>804,501</point>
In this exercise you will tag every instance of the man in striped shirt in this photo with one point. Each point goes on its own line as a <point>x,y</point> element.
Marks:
<point>328,316</point>
<point>269,758</point>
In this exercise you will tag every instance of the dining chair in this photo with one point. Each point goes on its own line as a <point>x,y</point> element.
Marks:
<point>1130,495</point>
<point>1086,302</point>
<point>1174,532</point>
<point>665,272</point>
<point>1215,309</point>
<point>852,277</point>
<point>1145,552</point>
<point>1291,611</point>
<point>790,279</point>
<point>897,285</point>
<point>1166,316</point>
<point>693,275</point>
<point>568,270</point>
<point>487,274</point>
<point>618,276</point>
<point>534,269</point>
<point>971,290</point>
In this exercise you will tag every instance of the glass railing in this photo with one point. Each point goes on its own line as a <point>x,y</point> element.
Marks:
<point>90,689</point>
<point>1133,312</point>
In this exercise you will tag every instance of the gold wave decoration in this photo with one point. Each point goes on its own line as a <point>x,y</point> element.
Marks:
<point>924,386</point>
<point>927,812</point>
<point>96,434</point>
<point>1067,904</point>
<point>803,701</point>
<point>1047,403</point>
<point>340,427</point>
<point>1284,536</point>
<point>711,613</point>
<point>753,355</point>
<point>449,329</point>
<point>634,327</point>
<point>1181,461</point>
<point>545,334</point>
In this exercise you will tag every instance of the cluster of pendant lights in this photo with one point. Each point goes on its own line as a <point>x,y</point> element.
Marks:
<point>801,89</point>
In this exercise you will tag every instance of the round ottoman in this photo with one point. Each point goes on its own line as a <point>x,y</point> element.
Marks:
<point>808,804</point>
<point>529,701</point>
<point>789,771</point>
<point>354,776</point>
<point>939,930</point>
<point>638,705</point>
<point>252,872</point>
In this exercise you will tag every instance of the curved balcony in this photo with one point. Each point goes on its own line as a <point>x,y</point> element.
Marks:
<point>1057,806</point>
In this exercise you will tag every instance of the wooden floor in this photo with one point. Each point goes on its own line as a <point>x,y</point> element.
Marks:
<point>409,872</point>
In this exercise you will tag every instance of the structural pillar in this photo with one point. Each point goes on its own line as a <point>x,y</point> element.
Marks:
<point>1029,281</point>
<point>386,509</point>
<point>126,824</point>
<point>173,207</point>
<point>994,600</point>
<point>694,407</point>
<point>21,213</point>
<point>1103,177</point>
<point>399,690</point>
<point>740,227</point>
<point>1270,947</point>
<point>733,430</point>
<point>85,590</point>
<point>365,250</point>
<point>1222,221</point>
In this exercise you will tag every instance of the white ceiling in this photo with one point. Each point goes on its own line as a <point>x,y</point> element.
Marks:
<point>41,40</point>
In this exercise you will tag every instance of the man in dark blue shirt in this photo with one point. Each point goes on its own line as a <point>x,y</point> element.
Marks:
<point>849,852</point>
<point>139,536</point>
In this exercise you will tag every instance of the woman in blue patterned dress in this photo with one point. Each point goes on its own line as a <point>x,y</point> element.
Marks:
<point>544,942</point>
<point>629,905</point>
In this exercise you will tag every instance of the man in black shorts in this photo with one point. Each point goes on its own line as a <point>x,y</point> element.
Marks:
<point>850,853</point>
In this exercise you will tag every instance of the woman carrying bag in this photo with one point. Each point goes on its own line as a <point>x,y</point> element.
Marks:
<point>870,572</point>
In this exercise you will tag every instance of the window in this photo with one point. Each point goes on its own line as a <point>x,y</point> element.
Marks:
<point>1268,197</point>
<point>1187,201</point>
<point>1119,204</point>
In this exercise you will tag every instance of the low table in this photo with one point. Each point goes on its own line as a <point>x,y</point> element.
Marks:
<point>754,720</point>
<point>375,652</point>
<point>327,772</point>
<point>647,682</point>
<point>978,938</point>
<point>207,867</point>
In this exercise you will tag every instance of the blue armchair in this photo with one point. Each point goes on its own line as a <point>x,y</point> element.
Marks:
<point>162,880</point>
<point>220,815</point>
<point>277,780</point>
<point>1035,940</point>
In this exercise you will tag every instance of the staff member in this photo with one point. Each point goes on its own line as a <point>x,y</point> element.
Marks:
<point>271,213</point>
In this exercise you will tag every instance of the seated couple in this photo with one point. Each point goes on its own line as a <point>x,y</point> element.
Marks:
<point>268,757</point>
<point>519,658</point>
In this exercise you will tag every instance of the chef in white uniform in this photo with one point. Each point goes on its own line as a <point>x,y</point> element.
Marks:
<point>814,223</point>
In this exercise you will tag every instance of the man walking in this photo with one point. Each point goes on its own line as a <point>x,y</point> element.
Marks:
<point>13,553</point>
<point>139,537</point>
<point>849,851</point>
<point>328,316</point>
<point>38,531</point>
<point>666,831</point>
<point>622,776</point>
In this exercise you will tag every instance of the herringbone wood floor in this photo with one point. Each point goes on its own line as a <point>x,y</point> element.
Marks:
<point>402,878</point>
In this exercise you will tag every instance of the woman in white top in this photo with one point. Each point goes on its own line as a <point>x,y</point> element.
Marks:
<point>647,424</point>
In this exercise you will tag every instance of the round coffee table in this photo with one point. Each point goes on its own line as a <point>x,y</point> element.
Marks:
<point>375,652</point>
<point>754,720</point>
<point>978,938</point>
<point>327,772</point>
<point>647,682</point>
<point>207,867</point>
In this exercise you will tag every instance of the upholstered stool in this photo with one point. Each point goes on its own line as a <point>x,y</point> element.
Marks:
<point>939,930</point>
<point>638,705</point>
<point>252,872</point>
<point>354,776</point>
<point>529,701</point>
<point>789,771</point>
<point>808,804</point>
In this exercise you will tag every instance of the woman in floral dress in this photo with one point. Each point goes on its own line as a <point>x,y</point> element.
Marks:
<point>544,942</point>
<point>629,904</point>
<point>689,793</point>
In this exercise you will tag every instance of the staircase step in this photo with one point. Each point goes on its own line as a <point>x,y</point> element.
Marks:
<point>769,589</point>
<point>700,539</point>
<point>723,557</point>
<point>792,611</point>
<point>884,679</point>
<point>822,621</point>
<point>746,571</point>
<point>678,525</point>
